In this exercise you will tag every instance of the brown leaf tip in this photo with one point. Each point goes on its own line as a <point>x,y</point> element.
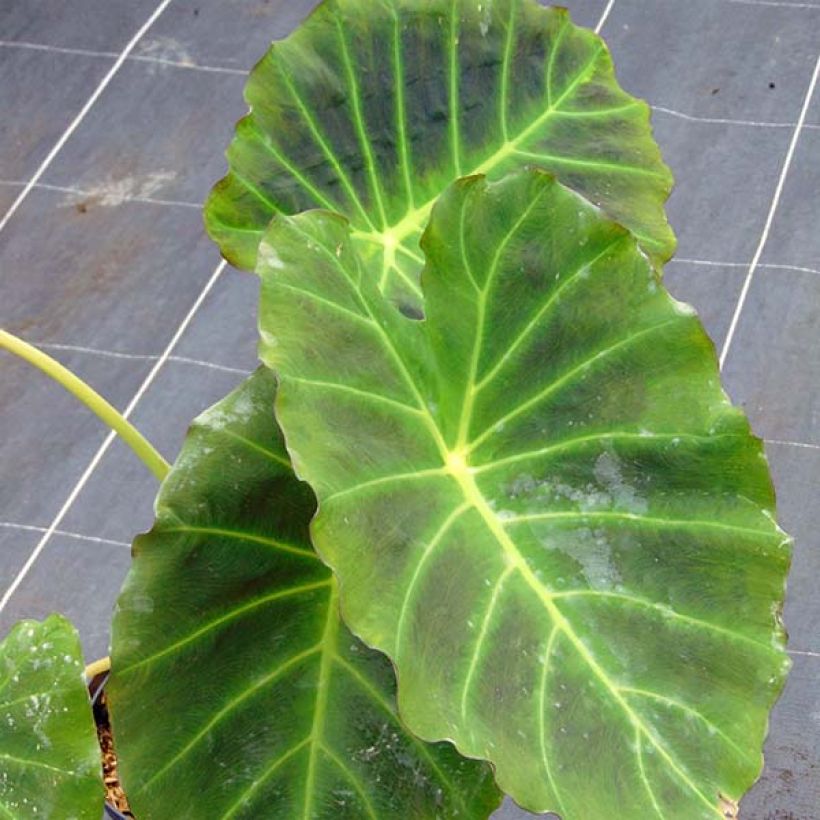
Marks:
<point>728,808</point>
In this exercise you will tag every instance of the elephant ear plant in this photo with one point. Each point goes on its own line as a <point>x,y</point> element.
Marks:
<point>523,544</point>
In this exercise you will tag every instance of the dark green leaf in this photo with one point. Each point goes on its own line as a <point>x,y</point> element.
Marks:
<point>49,757</point>
<point>372,108</point>
<point>236,691</point>
<point>538,501</point>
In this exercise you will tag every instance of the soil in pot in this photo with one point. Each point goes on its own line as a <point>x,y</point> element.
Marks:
<point>114,795</point>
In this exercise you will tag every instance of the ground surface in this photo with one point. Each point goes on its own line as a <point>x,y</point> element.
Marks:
<point>104,263</point>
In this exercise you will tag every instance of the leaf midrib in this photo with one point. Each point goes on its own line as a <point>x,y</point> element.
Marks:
<point>513,556</point>
<point>470,390</point>
<point>327,642</point>
<point>466,481</point>
<point>327,648</point>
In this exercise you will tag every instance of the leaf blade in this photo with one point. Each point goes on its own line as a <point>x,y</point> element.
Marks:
<point>229,654</point>
<point>590,497</point>
<point>346,123</point>
<point>49,756</point>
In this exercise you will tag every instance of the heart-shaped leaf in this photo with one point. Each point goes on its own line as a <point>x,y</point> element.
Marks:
<point>235,690</point>
<point>538,501</point>
<point>49,757</point>
<point>371,109</point>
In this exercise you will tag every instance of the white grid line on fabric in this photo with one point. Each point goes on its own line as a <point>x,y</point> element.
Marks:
<point>80,52</point>
<point>604,15</point>
<point>783,4</point>
<point>770,216</point>
<point>81,194</point>
<point>805,652</point>
<point>183,63</point>
<point>787,443</point>
<point>148,357</point>
<point>711,263</point>
<point>242,72</point>
<point>143,58</point>
<point>11,525</point>
<point>662,109</point>
<point>92,466</point>
<point>212,69</point>
<point>75,123</point>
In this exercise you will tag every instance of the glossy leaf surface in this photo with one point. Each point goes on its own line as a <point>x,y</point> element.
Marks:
<point>236,691</point>
<point>372,108</point>
<point>49,758</point>
<point>569,527</point>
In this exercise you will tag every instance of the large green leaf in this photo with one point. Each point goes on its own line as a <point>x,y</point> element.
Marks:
<point>236,691</point>
<point>538,501</point>
<point>372,108</point>
<point>50,763</point>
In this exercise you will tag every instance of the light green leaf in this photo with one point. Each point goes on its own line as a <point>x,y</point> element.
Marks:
<point>235,690</point>
<point>372,108</point>
<point>50,764</point>
<point>538,501</point>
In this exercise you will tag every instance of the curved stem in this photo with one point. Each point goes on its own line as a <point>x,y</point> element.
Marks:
<point>97,668</point>
<point>108,414</point>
